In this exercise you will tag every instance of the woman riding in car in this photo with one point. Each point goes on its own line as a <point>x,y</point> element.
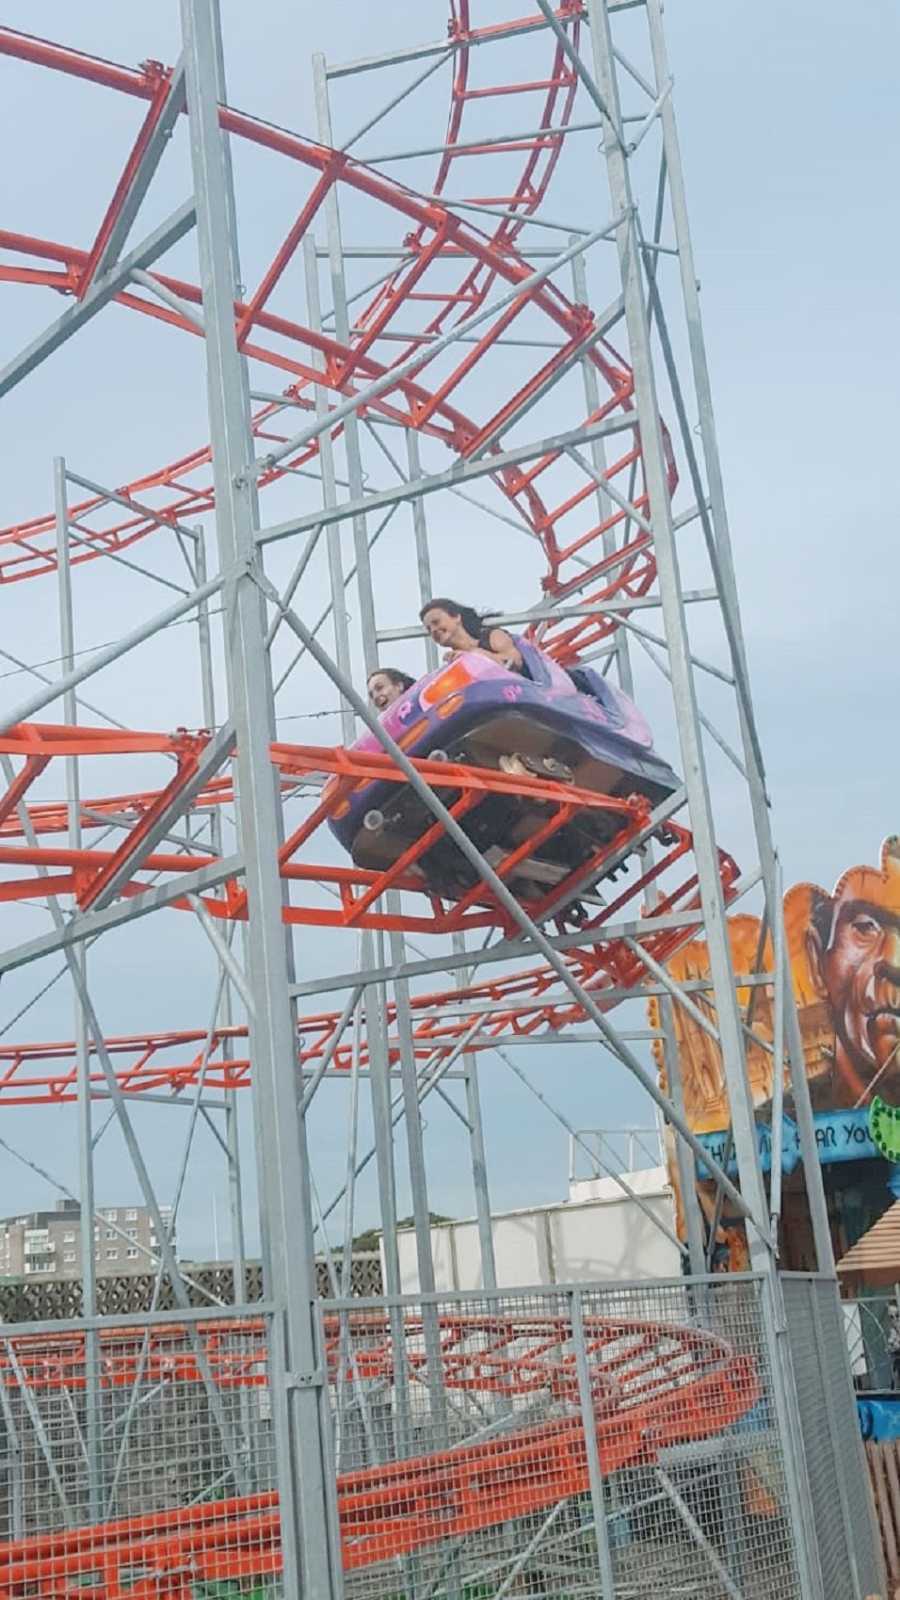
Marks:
<point>460,627</point>
<point>387,684</point>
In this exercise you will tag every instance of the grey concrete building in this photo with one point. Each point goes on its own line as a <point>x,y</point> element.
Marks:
<point>47,1244</point>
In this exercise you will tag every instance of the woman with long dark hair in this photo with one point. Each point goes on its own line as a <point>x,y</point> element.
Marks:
<point>457,628</point>
<point>387,684</point>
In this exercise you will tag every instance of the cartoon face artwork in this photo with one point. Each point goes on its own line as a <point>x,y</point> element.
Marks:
<point>844,953</point>
<point>844,950</point>
<point>853,950</point>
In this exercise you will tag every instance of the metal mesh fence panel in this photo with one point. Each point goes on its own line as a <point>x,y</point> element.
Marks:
<point>614,1442</point>
<point>839,1481</point>
<point>822,1469</point>
<point>138,1460</point>
<point>617,1443</point>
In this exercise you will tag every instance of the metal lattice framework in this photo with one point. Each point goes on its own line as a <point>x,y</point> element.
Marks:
<point>457,350</point>
<point>485,259</point>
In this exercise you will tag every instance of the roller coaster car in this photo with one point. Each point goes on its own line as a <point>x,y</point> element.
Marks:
<point>537,724</point>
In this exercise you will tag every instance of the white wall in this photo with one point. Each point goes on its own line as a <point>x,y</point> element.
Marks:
<point>601,1237</point>
<point>645,1181</point>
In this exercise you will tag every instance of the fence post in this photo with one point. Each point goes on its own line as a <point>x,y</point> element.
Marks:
<point>595,1471</point>
<point>839,1465</point>
<point>787,1420</point>
<point>327,1421</point>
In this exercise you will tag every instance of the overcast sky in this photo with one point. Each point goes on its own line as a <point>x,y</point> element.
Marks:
<point>789,123</point>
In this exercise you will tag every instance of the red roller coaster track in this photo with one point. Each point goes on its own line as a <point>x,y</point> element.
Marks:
<point>27,549</point>
<point>515,1003</point>
<point>653,1384</point>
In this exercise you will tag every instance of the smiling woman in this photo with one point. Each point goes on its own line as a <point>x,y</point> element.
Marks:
<point>460,627</point>
<point>387,685</point>
<point>528,723</point>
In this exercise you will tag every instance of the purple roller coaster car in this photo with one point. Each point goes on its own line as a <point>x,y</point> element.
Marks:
<point>537,722</point>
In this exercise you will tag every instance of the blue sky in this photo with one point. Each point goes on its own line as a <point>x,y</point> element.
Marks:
<point>789,123</point>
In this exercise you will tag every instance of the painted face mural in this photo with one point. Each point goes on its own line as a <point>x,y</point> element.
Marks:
<point>844,950</point>
<point>845,961</point>
<point>855,955</point>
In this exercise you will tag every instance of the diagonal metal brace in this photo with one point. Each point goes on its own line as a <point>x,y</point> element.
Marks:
<point>190,779</point>
<point>34,766</point>
<point>105,289</point>
<point>137,176</point>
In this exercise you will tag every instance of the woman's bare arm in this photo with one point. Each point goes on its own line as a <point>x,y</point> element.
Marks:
<point>503,648</point>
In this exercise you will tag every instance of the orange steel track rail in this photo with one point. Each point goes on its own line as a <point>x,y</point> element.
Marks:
<point>652,1385</point>
<point>29,870</point>
<point>514,1004</point>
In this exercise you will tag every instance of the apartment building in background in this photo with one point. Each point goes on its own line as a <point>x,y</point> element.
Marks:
<point>47,1244</point>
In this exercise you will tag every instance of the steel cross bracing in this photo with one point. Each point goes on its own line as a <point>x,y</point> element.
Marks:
<point>460,346</point>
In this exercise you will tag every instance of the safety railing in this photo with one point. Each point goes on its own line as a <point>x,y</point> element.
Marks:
<point>840,1502</point>
<point>613,1442</point>
<point>869,1321</point>
<point>595,1152</point>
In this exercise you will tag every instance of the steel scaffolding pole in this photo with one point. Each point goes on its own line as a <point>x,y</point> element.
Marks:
<point>329,490</point>
<point>369,632</point>
<point>689,732</point>
<point>383,1146</point>
<point>687,1167</point>
<point>718,511</point>
<point>232,1126</point>
<point>93,1427</point>
<point>351,424</point>
<point>383,1127</point>
<point>474,1118</point>
<point>477,1148</point>
<point>302,1438</point>
<point>729,1026</point>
